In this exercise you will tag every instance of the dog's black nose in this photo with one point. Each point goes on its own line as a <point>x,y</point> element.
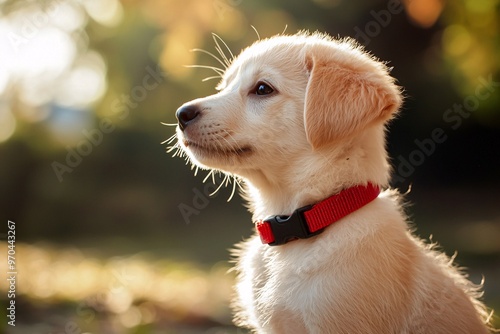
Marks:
<point>186,115</point>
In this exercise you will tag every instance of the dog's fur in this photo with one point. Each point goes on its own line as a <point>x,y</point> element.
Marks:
<point>321,131</point>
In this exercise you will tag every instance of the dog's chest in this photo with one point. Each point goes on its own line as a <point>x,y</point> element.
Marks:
<point>286,282</point>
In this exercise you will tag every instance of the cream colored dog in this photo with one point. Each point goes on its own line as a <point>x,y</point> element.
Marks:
<point>299,119</point>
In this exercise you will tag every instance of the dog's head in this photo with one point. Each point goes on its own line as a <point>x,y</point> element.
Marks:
<point>286,96</point>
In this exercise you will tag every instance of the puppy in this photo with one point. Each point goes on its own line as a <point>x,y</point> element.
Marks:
<point>301,121</point>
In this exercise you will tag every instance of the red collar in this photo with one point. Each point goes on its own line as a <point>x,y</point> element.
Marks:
<point>313,219</point>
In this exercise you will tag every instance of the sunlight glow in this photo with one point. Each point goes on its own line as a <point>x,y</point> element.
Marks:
<point>46,60</point>
<point>41,62</point>
<point>69,16</point>
<point>85,83</point>
<point>177,45</point>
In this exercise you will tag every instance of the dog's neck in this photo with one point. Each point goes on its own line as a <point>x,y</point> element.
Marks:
<point>310,178</point>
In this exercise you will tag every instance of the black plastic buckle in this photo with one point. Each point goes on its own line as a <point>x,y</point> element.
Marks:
<point>288,228</point>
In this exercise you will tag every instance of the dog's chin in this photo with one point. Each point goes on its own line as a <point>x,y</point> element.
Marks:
<point>219,157</point>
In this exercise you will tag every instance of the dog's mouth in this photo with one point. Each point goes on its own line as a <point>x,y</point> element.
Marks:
<point>218,151</point>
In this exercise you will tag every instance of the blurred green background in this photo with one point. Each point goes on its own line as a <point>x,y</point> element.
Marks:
<point>101,243</point>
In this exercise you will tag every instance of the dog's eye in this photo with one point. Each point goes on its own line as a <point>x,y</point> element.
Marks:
<point>263,89</point>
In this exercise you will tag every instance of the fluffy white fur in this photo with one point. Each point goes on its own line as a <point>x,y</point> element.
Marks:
<point>321,130</point>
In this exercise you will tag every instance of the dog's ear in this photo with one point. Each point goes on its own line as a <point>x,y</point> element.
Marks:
<point>345,94</point>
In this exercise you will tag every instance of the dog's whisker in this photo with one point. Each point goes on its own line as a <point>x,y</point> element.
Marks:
<point>223,55</point>
<point>256,32</point>
<point>286,27</point>
<point>213,178</point>
<point>490,316</point>
<point>170,139</point>
<point>207,176</point>
<point>178,150</point>
<point>168,124</point>
<point>211,78</point>
<point>180,153</point>
<point>171,148</point>
<point>218,188</point>
<point>227,47</point>
<point>219,49</point>
<point>238,182</point>
<point>226,180</point>
<point>217,70</point>
<point>233,191</point>
<point>211,55</point>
